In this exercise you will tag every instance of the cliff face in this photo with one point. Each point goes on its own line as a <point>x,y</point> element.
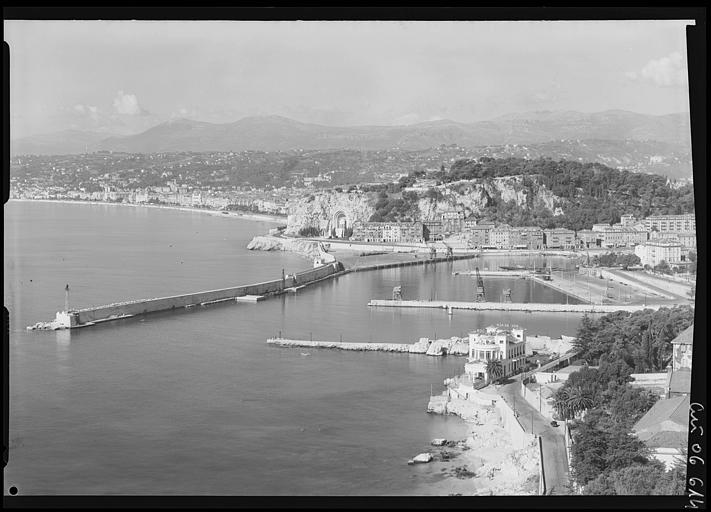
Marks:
<point>473,197</point>
<point>321,210</point>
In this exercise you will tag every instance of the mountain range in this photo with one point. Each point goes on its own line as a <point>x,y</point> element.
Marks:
<point>276,133</point>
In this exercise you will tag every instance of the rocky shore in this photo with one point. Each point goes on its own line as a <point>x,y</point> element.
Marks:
<point>307,248</point>
<point>484,463</point>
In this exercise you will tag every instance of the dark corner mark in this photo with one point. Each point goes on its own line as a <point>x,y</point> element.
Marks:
<point>5,122</point>
<point>696,479</point>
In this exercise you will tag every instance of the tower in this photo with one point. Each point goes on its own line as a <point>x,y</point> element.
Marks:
<point>66,298</point>
<point>480,295</point>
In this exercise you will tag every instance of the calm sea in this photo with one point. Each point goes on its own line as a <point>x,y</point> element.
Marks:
<point>195,402</point>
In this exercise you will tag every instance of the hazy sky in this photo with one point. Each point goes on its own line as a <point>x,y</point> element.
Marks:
<point>125,76</point>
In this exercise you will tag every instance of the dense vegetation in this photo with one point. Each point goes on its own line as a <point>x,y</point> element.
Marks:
<point>641,340</point>
<point>612,259</point>
<point>606,458</point>
<point>589,193</point>
<point>592,192</point>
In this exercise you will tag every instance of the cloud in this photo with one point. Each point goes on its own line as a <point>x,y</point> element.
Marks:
<point>90,111</point>
<point>666,71</point>
<point>127,104</point>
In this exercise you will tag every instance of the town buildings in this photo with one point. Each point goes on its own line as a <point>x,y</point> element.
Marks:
<point>654,252</point>
<point>559,238</point>
<point>685,222</point>
<point>504,344</point>
<point>389,232</point>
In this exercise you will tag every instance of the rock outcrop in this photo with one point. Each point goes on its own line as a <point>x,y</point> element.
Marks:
<point>306,248</point>
<point>322,210</point>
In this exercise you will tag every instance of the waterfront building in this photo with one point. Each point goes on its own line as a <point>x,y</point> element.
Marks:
<point>433,230</point>
<point>479,236</point>
<point>505,344</point>
<point>656,251</point>
<point>686,222</point>
<point>527,237</point>
<point>587,238</point>
<point>389,232</point>
<point>499,236</point>
<point>685,238</point>
<point>619,236</point>
<point>559,238</point>
<point>452,221</point>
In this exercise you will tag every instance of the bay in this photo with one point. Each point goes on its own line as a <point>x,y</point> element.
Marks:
<point>195,402</point>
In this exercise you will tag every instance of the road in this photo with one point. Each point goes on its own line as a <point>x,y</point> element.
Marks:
<point>555,463</point>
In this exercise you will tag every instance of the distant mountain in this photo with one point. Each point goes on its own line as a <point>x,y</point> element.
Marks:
<point>275,133</point>
<point>58,143</point>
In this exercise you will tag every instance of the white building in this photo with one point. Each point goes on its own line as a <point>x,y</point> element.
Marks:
<point>686,222</point>
<point>505,344</point>
<point>653,252</point>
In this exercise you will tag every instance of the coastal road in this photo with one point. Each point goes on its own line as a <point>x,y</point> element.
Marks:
<point>555,462</point>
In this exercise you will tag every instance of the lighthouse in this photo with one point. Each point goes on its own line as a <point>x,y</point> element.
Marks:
<point>66,298</point>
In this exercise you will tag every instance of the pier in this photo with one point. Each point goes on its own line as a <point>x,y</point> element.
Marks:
<point>452,346</point>
<point>511,306</point>
<point>250,293</point>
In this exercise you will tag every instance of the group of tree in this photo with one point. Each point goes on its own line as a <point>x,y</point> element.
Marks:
<point>592,192</point>
<point>641,340</point>
<point>395,209</point>
<point>606,457</point>
<point>612,259</point>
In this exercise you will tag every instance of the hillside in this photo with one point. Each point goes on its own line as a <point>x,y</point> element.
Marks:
<point>520,192</point>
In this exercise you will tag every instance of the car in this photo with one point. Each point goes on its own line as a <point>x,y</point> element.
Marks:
<point>554,423</point>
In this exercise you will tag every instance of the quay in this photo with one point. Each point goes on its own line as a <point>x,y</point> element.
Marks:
<point>511,306</point>
<point>495,273</point>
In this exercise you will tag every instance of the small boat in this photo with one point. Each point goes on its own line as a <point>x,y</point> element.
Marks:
<point>305,354</point>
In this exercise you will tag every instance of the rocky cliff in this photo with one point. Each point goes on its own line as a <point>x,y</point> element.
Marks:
<point>322,210</point>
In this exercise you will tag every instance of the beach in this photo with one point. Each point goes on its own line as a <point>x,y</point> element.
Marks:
<point>217,213</point>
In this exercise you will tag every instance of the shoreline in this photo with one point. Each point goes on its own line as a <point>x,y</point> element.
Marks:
<point>484,462</point>
<point>217,213</point>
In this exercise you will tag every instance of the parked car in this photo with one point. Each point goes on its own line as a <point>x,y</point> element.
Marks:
<point>554,423</point>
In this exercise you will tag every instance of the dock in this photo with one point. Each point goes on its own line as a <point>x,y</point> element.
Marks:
<point>453,346</point>
<point>511,306</point>
<point>495,273</point>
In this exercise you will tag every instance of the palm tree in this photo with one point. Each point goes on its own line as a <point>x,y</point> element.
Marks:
<point>494,369</point>
<point>578,400</point>
<point>560,403</point>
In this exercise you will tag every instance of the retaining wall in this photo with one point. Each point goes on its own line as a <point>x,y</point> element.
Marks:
<point>519,437</point>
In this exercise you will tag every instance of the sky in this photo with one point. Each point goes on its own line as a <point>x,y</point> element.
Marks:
<point>125,76</point>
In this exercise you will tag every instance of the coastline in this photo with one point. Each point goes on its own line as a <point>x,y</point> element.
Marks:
<point>217,213</point>
<point>485,462</point>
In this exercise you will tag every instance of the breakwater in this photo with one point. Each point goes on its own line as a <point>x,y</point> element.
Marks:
<point>510,306</point>
<point>119,310</point>
<point>453,346</point>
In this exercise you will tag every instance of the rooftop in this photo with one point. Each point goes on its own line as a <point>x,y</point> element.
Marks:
<point>667,415</point>
<point>685,337</point>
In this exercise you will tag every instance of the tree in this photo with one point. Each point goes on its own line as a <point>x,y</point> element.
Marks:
<point>494,369</point>
<point>578,400</point>
<point>662,267</point>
